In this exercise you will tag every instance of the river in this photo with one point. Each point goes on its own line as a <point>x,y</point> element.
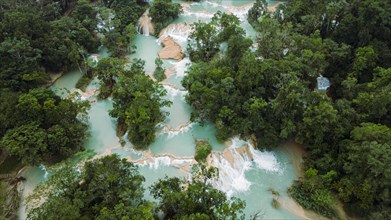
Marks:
<point>249,174</point>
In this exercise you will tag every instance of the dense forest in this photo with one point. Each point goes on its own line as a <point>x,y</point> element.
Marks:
<point>267,90</point>
<point>272,93</point>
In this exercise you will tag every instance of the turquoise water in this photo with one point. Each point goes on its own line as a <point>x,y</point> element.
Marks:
<point>177,136</point>
<point>147,49</point>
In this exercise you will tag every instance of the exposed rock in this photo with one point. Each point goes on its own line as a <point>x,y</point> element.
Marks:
<point>171,50</point>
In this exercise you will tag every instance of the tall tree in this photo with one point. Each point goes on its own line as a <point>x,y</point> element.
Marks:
<point>106,188</point>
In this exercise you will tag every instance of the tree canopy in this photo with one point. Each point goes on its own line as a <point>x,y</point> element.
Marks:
<point>46,128</point>
<point>137,103</point>
<point>106,188</point>
<point>111,188</point>
<point>270,91</point>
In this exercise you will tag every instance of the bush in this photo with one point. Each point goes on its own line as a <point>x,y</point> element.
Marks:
<point>163,12</point>
<point>203,149</point>
<point>319,201</point>
<point>104,92</point>
<point>83,82</point>
<point>159,71</point>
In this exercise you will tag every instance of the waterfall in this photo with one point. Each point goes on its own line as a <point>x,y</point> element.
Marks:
<point>146,30</point>
<point>174,132</point>
<point>231,176</point>
<point>156,161</point>
<point>145,25</point>
<point>172,92</point>
<point>178,32</point>
<point>236,160</point>
<point>43,168</point>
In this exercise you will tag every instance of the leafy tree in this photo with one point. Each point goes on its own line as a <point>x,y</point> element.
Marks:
<point>28,142</point>
<point>227,25</point>
<point>86,14</point>
<point>373,102</point>
<point>365,162</point>
<point>137,102</point>
<point>159,74</point>
<point>120,42</point>
<point>61,50</point>
<point>257,12</point>
<point>20,69</point>
<point>107,70</point>
<point>106,188</point>
<point>274,39</point>
<point>203,149</point>
<point>203,43</point>
<point>196,199</point>
<point>318,119</point>
<point>163,12</point>
<point>8,116</point>
<point>47,128</point>
<point>312,193</point>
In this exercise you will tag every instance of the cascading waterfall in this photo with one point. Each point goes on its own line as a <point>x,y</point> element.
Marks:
<point>182,129</point>
<point>172,92</point>
<point>235,161</point>
<point>180,66</point>
<point>178,32</point>
<point>144,25</point>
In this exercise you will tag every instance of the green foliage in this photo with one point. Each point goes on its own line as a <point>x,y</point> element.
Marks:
<point>203,44</point>
<point>205,38</point>
<point>3,198</point>
<point>61,50</point>
<point>163,12</point>
<point>311,194</point>
<point>19,63</point>
<point>196,199</point>
<point>34,37</point>
<point>8,101</point>
<point>106,188</point>
<point>365,162</point>
<point>107,71</point>
<point>159,74</point>
<point>271,93</point>
<point>46,128</point>
<point>124,12</point>
<point>203,149</point>
<point>120,42</point>
<point>83,82</point>
<point>86,14</point>
<point>137,103</point>
<point>257,12</point>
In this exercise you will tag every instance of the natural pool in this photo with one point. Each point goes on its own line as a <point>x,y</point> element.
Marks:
<point>251,177</point>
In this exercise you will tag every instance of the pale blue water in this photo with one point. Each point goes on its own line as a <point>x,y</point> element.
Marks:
<point>180,140</point>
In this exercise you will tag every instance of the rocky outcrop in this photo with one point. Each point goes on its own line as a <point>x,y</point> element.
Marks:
<point>171,49</point>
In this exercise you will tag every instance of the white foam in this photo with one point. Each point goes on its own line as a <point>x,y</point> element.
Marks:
<point>181,67</point>
<point>43,168</point>
<point>156,162</point>
<point>179,32</point>
<point>173,92</point>
<point>232,170</point>
<point>231,176</point>
<point>265,160</point>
